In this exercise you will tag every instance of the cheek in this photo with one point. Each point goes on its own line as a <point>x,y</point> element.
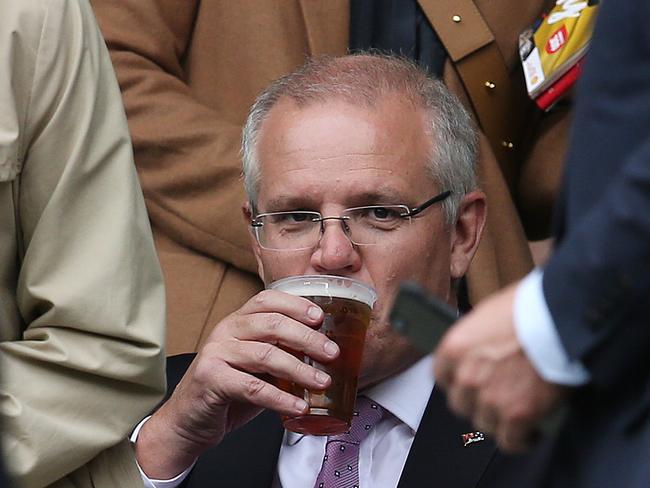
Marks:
<point>421,262</point>
<point>426,263</point>
<point>278,265</point>
<point>431,261</point>
<point>434,268</point>
<point>387,270</point>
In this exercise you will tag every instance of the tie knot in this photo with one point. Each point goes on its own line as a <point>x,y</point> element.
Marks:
<point>367,414</point>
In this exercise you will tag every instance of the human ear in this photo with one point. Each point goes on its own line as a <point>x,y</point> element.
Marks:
<point>467,232</point>
<point>247,213</point>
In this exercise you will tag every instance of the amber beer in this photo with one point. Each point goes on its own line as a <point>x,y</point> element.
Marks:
<point>347,305</point>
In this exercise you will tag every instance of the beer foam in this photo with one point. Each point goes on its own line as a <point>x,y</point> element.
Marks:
<point>326,286</point>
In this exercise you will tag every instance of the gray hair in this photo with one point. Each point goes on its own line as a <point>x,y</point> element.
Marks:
<point>363,79</point>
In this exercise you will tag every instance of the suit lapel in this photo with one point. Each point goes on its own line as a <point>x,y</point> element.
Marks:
<point>326,25</point>
<point>438,452</point>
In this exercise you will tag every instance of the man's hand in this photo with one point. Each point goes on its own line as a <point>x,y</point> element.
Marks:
<point>488,377</point>
<point>227,383</point>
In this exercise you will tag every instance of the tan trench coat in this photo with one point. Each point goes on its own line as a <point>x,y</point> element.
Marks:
<point>81,295</point>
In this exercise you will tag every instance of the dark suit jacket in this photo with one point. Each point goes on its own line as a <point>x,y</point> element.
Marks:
<point>247,458</point>
<point>597,284</point>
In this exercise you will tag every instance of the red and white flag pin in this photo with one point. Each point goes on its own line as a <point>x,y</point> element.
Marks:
<point>472,437</point>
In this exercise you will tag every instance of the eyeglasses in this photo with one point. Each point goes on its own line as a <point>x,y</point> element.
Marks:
<point>365,226</point>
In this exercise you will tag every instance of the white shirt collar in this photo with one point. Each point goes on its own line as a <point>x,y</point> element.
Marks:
<point>405,395</point>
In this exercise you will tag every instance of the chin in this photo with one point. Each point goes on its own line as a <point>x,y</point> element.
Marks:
<point>386,354</point>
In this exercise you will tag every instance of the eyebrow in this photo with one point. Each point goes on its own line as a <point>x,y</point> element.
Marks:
<point>289,202</point>
<point>376,196</point>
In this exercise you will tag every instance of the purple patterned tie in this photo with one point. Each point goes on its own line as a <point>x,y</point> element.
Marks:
<point>340,467</point>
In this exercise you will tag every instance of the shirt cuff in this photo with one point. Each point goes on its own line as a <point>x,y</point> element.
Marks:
<point>539,338</point>
<point>153,483</point>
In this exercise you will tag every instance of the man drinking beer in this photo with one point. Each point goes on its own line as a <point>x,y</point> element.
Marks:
<point>360,167</point>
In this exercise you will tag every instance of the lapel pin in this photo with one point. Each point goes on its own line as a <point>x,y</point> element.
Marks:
<point>472,437</point>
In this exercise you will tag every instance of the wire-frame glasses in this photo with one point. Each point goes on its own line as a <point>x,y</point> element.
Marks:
<point>365,226</point>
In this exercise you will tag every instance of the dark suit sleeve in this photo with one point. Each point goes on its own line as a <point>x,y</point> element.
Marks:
<point>223,461</point>
<point>177,366</point>
<point>597,285</point>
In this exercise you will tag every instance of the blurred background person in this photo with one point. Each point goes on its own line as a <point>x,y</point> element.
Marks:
<point>81,293</point>
<point>576,332</point>
<point>189,70</point>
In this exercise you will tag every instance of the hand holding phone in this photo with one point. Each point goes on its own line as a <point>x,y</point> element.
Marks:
<point>424,319</point>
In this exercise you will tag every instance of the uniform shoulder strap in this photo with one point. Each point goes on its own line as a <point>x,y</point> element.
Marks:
<point>471,46</point>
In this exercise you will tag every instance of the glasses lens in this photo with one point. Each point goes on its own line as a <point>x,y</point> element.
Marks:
<point>288,230</point>
<point>377,223</point>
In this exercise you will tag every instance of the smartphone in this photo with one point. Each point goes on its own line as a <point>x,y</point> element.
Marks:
<point>421,317</point>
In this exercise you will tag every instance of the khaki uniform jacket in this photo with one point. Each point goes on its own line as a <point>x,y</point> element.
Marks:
<point>189,70</point>
<point>81,294</point>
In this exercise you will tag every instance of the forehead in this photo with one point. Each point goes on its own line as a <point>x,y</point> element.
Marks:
<point>336,151</point>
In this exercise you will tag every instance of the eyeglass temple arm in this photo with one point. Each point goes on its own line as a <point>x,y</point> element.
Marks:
<point>438,198</point>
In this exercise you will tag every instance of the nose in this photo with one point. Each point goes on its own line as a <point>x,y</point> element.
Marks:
<point>335,253</point>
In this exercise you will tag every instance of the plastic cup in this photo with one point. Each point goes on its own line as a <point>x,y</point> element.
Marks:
<point>347,304</point>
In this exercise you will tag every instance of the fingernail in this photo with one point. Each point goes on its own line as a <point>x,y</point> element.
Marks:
<point>301,405</point>
<point>314,313</point>
<point>331,348</point>
<point>322,378</point>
